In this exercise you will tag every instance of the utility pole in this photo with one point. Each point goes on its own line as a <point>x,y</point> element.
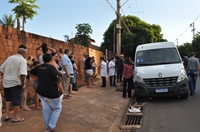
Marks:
<point>114,40</point>
<point>193,29</point>
<point>118,27</point>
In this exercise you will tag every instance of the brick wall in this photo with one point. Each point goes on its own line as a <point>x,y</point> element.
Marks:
<point>10,39</point>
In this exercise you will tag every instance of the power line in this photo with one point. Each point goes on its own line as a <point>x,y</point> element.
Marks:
<point>111,6</point>
<point>137,7</point>
<point>102,4</point>
<point>132,11</point>
<point>142,9</point>
<point>113,2</point>
<point>127,27</point>
<point>188,27</point>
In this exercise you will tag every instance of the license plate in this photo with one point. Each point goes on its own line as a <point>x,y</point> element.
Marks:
<point>161,90</point>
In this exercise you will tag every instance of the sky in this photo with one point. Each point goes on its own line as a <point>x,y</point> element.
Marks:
<point>59,17</point>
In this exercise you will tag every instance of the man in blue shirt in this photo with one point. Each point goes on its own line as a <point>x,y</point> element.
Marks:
<point>67,72</point>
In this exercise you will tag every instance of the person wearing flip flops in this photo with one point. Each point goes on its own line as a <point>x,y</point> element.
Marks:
<point>14,71</point>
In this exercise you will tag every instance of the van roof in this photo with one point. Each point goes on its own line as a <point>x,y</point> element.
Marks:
<point>156,45</point>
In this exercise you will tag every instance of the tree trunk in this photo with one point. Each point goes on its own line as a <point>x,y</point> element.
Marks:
<point>18,23</point>
<point>23,33</point>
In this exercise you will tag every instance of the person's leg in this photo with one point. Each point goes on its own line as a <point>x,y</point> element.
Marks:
<point>65,83</point>
<point>110,78</point>
<point>89,81</point>
<point>117,75</point>
<point>8,98</point>
<point>16,101</point>
<point>124,88</point>
<point>194,80</point>
<point>74,84</point>
<point>86,76</point>
<point>190,81</point>
<point>46,109</point>
<point>70,88</point>
<point>114,80</point>
<point>129,87</point>
<point>57,107</point>
<point>36,101</point>
<point>8,104</point>
<point>104,81</point>
<point>24,99</point>
<point>92,79</point>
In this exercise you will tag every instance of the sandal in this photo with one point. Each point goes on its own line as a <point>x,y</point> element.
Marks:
<point>19,120</point>
<point>26,108</point>
<point>7,119</point>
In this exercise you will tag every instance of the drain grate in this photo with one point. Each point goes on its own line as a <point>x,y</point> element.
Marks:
<point>132,120</point>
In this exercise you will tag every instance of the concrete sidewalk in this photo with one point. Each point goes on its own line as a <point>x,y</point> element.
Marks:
<point>94,109</point>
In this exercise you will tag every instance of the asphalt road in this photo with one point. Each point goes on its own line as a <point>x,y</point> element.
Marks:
<point>172,114</point>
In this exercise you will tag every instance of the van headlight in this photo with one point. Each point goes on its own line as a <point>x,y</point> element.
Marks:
<point>138,78</point>
<point>182,76</point>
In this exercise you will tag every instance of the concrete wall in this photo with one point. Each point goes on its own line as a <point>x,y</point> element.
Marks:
<point>10,39</point>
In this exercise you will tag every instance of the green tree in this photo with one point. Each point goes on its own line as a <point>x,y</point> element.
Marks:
<point>8,20</point>
<point>185,49</point>
<point>66,37</point>
<point>196,44</point>
<point>25,9</point>
<point>83,34</point>
<point>141,32</point>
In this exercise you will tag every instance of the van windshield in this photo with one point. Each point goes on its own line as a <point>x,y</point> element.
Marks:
<point>157,57</point>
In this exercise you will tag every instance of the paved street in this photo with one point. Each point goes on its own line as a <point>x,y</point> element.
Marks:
<point>172,114</point>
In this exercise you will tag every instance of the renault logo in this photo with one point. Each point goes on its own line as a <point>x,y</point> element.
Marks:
<point>160,74</point>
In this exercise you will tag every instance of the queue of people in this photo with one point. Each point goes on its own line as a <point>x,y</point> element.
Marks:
<point>55,76</point>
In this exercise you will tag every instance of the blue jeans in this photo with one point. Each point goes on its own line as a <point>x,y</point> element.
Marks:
<point>192,77</point>
<point>49,105</point>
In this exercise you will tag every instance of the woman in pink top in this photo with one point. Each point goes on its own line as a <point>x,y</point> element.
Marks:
<point>127,76</point>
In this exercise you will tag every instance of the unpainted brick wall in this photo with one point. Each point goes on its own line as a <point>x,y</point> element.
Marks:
<point>10,39</point>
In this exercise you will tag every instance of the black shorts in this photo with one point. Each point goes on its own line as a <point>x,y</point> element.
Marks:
<point>13,94</point>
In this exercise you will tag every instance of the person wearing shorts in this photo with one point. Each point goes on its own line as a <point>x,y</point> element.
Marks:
<point>14,71</point>
<point>89,71</point>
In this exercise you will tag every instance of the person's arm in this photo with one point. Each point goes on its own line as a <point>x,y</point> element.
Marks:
<point>22,79</point>
<point>52,50</point>
<point>34,77</point>
<point>75,67</point>
<point>59,85</point>
<point>67,73</point>
<point>37,51</point>
<point>54,64</point>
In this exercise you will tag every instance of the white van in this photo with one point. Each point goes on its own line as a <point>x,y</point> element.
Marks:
<point>159,71</point>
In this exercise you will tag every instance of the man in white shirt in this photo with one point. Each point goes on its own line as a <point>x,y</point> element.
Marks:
<point>14,71</point>
<point>111,67</point>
